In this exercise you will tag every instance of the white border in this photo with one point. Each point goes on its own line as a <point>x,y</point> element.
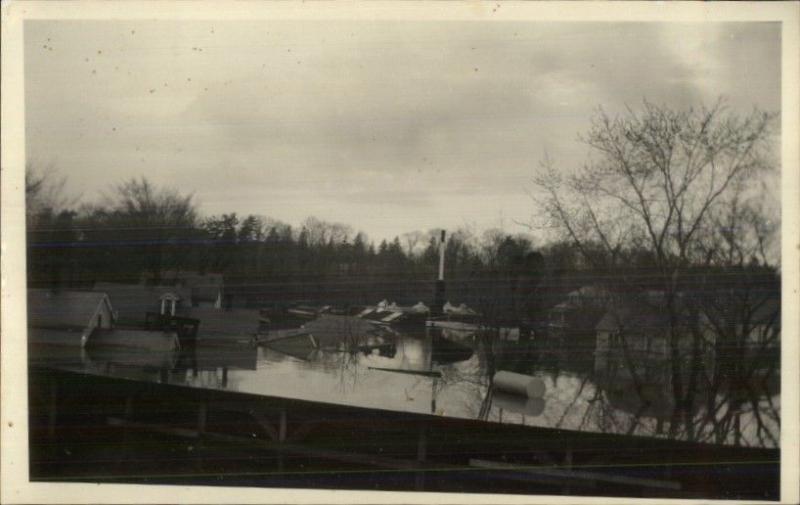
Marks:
<point>15,487</point>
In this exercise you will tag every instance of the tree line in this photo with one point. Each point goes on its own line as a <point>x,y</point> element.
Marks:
<point>141,231</point>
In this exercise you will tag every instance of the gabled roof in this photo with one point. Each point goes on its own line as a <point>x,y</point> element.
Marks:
<point>132,301</point>
<point>63,309</point>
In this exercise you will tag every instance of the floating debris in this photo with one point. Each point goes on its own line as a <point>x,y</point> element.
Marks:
<point>425,373</point>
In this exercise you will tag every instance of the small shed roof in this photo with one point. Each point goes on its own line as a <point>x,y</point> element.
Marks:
<point>63,309</point>
<point>220,323</point>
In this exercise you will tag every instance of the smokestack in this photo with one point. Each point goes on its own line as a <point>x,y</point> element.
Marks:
<point>438,299</point>
<point>441,258</point>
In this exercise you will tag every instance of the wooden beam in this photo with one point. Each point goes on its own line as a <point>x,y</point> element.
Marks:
<point>348,457</point>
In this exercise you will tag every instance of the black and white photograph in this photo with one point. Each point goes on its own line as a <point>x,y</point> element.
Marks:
<point>362,250</point>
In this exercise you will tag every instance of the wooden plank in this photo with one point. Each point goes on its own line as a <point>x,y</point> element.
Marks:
<point>425,373</point>
<point>166,430</point>
<point>576,476</point>
<point>348,457</point>
<point>265,423</point>
<point>53,409</point>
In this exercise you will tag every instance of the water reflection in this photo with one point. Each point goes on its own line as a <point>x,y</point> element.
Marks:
<point>428,372</point>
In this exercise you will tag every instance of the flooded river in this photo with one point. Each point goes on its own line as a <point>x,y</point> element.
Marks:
<point>426,372</point>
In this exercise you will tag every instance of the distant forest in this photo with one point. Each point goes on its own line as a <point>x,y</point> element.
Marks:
<point>142,231</point>
<point>145,232</point>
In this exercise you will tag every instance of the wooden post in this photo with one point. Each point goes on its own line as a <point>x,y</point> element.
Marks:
<point>281,438</point>
<point>422,453</point>
<point>202,421</point>
<point>568,466</point>
<point>202,418</point>
<point>53,409</point>
<point>282,426</point>
<point>127,415</point>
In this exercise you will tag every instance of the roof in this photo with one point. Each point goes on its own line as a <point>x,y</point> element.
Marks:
<point>385,306</point>
<point>633,316</point>
<point>460,310</point>
<point>154,341</point>
<point>132,301</point>
<point>53,336</point>
<point>202,286</point>
<point>63,309</point>
<point>217,322</point>
<point>330,330</point>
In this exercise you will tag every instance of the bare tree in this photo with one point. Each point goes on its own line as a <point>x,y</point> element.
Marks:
<point>46,192</point>
<point>157,221</point>
<point>666,183</point>
<point>412,240</point>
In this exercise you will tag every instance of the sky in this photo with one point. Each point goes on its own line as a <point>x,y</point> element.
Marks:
<point>386,126</point>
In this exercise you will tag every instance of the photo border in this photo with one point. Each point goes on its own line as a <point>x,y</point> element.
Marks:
<point>15,486</point>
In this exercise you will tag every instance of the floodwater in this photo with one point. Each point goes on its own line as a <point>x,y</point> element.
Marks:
<point>422,371</point>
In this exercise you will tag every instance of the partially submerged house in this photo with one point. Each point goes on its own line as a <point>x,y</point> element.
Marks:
<point>568,325</point>
<point>86,319</point>
<point>577,300</point>
<point>230,325</point>
<point>133,301</point>
<point>749,333</point>
<point>67,317</point>
<point>632,343</point>
<point>728,327</point>
<point>136,301</point>
<point>202,289</point>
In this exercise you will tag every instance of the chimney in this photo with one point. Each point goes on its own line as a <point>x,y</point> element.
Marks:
<point>438,299</point>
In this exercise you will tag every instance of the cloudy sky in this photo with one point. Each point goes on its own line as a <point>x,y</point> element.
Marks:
<point>387,126</point>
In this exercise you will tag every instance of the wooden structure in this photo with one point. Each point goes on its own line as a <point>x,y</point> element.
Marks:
<point>185,327</point>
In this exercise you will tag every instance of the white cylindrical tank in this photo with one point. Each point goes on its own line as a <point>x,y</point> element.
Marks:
<point>520,404</point>
<point>518,384</point>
